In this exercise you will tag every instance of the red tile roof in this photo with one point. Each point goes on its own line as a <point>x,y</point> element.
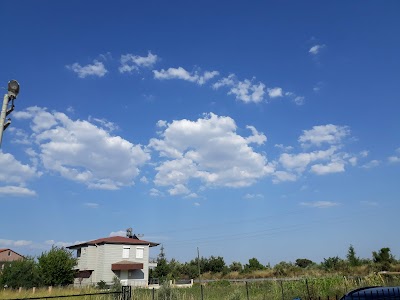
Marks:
<point>115,240</point>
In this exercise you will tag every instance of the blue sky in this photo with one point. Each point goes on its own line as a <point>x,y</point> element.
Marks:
<point>266,129</point>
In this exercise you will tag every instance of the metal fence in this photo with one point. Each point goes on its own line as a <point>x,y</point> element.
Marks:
<point>124,294</point>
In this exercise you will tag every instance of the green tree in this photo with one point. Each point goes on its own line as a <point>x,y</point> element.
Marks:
<point>162,270</point>
<point>235,267</point>
<point>21,273</point>
<point>57,266</point>
<point>253,265</point>
<point>353,260</point>
<point>383,259</point>
<point>304,262</point>
<point>333,264</point>
<point>215,264</point>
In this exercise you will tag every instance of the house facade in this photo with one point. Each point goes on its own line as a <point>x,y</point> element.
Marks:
<point>7,255</point>
<point>127,258</point>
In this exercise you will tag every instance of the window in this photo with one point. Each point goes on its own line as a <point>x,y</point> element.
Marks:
<point>78,252</point>
<point>125,251</point>
<point>9,253</point>
<point>139,252</point>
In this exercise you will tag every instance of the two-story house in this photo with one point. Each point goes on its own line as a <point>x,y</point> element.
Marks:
<point>124,257</point>
<point>8,255</point>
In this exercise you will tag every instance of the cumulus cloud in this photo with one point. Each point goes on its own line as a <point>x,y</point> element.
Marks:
<point>253,196</point>
<point>91,204</point>
<point>14,243</point>
<point>96,69</point>
<point>332,167</point>
<point>57,243</point>
<point>324,134</point>
<point>299,162</point>
<point>181,73</point>
<point>395,158</point>
<point>371,164</point>
<point>281,176</point>
<point>245,90</point>
<point>275,92</point>
<point>131,62</point>
<point>13,182</point>
<point>16,191</point>
<point>118,233</point>
<point>320,204</point>
<point>83,152</point>
<point>208,150</point>
<point>283,147</point>
<point>155,193</point>
<point>314,50</point>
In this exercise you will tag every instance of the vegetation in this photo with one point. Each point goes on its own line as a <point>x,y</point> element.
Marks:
<point>56,266</point>
<point>215,267</point>
<point>52,268</point>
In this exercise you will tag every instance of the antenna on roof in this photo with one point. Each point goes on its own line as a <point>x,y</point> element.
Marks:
<point>129,233</point>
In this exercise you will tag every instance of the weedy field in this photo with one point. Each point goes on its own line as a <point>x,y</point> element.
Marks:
<point>285,289</point>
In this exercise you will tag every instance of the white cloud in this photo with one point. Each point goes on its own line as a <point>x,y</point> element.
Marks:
<point>130,62</point>
<point>16,191</point>
<point>161,123</point>
<point>244,90</point>
<point>299,100</point>
<point>15,178</point>
<point>144,180</point>
<point>280,176</point>
<point>208,150</point>
<point>14,243</point>
<point>96,69</point>
<point>91,204</point>
<point>332,167</point>
<point>283,148</point>
<point>394,159</point>
<point>118,233</point>
<point>314,50</point>
<point>181,73</point>
<point>371,164</point>
<point>58,244</point>
<point>329,134</point>
<point>320,204</point>
<point>83,152</point>
<point>275,92</point>
<point>155,193</point>
<point>196,204</point>
<point>299,162</point>
<point>364,153</point>
<point>253,196</point>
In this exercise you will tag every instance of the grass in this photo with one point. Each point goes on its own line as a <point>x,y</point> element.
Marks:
<point>306,288</point>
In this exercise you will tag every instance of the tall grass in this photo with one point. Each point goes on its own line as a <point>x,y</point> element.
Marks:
<point>285,289</point>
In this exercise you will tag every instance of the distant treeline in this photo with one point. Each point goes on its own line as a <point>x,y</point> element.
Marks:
<point>215,267</point>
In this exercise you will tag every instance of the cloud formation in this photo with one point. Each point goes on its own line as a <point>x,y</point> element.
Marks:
<point>324,134</point>
<point>83,152</point>
<point>181,73</point>
<point>13,181</point>
<point>210,151</point>
<point>320,204</point>
<point>245,90</point>
<point>131,62</point>
<point>96,69</point>
<point>314,50</point>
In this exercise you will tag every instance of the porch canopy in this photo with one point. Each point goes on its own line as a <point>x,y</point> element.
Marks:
<point>126,265</point>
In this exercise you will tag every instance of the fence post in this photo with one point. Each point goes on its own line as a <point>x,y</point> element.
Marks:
<point>247,291</point>
<point>283,297</point>
<point>126,292</point>
<point>152,294</point>
<point>202,292</point>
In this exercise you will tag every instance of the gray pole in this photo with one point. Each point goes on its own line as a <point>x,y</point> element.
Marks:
<point>3,116</point>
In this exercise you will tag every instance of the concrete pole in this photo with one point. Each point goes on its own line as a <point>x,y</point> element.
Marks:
<point>3,116</point>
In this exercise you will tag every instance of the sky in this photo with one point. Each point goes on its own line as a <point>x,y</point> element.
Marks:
<point>265,129</point>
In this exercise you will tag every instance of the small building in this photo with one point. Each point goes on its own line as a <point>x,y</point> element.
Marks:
<point>127,258</point>
<point>8,255</point>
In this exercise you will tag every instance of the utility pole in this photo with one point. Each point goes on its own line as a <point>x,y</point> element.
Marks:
<point>13,90</point>
<point>198,264</point>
